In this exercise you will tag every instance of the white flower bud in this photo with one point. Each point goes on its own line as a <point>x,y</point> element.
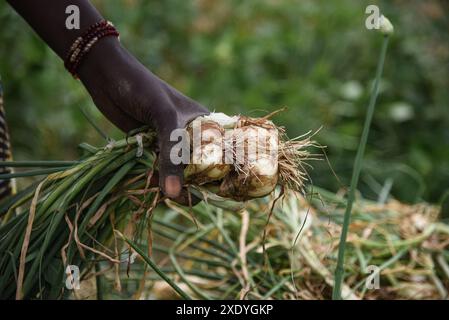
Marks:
<point>385,26</point>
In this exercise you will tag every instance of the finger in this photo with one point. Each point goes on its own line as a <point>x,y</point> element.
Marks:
<point>183,198</point>
<point>172,185</point>
<point>170,175</point>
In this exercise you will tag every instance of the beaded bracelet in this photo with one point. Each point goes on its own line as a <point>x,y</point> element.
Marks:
<point>80,42</point>
<point>87,45</point>
<point>83,44</point>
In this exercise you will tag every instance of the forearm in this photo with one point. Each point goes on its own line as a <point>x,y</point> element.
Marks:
<point>106,62</point>
<point>48,19</point>
<point>121,87</point>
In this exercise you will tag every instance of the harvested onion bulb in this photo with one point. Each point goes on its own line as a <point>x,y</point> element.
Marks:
<point>243,158</point>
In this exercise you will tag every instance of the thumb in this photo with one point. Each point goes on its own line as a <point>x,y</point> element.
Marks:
<point>171,176</point>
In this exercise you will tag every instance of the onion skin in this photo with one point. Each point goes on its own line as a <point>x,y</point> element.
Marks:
<point>201,174</point>
<point>242,188</point>
<point>263,178</point>
<point>254,180</point>
<point>207,165</point>
<point>258,175</point>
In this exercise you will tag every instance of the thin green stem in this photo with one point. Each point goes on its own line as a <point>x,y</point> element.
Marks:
<point>339,271</point>
<point>94,125</point>
<point>181,273</point>
<point>37,164</point>
<point>156,268</point>
<point>99,282</point>
<point>31,173</point>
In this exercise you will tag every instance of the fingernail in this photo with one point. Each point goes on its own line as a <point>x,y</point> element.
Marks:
<point>172,186</point>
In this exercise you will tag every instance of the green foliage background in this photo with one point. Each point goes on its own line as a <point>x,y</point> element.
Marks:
<point>253,56</point>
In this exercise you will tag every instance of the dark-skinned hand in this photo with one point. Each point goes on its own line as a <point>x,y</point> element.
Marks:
<point>131,96</point>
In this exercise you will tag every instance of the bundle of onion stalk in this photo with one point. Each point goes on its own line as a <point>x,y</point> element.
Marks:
<point>69,218</point>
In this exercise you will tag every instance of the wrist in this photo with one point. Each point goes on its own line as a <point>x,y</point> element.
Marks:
<point>101,57</point>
